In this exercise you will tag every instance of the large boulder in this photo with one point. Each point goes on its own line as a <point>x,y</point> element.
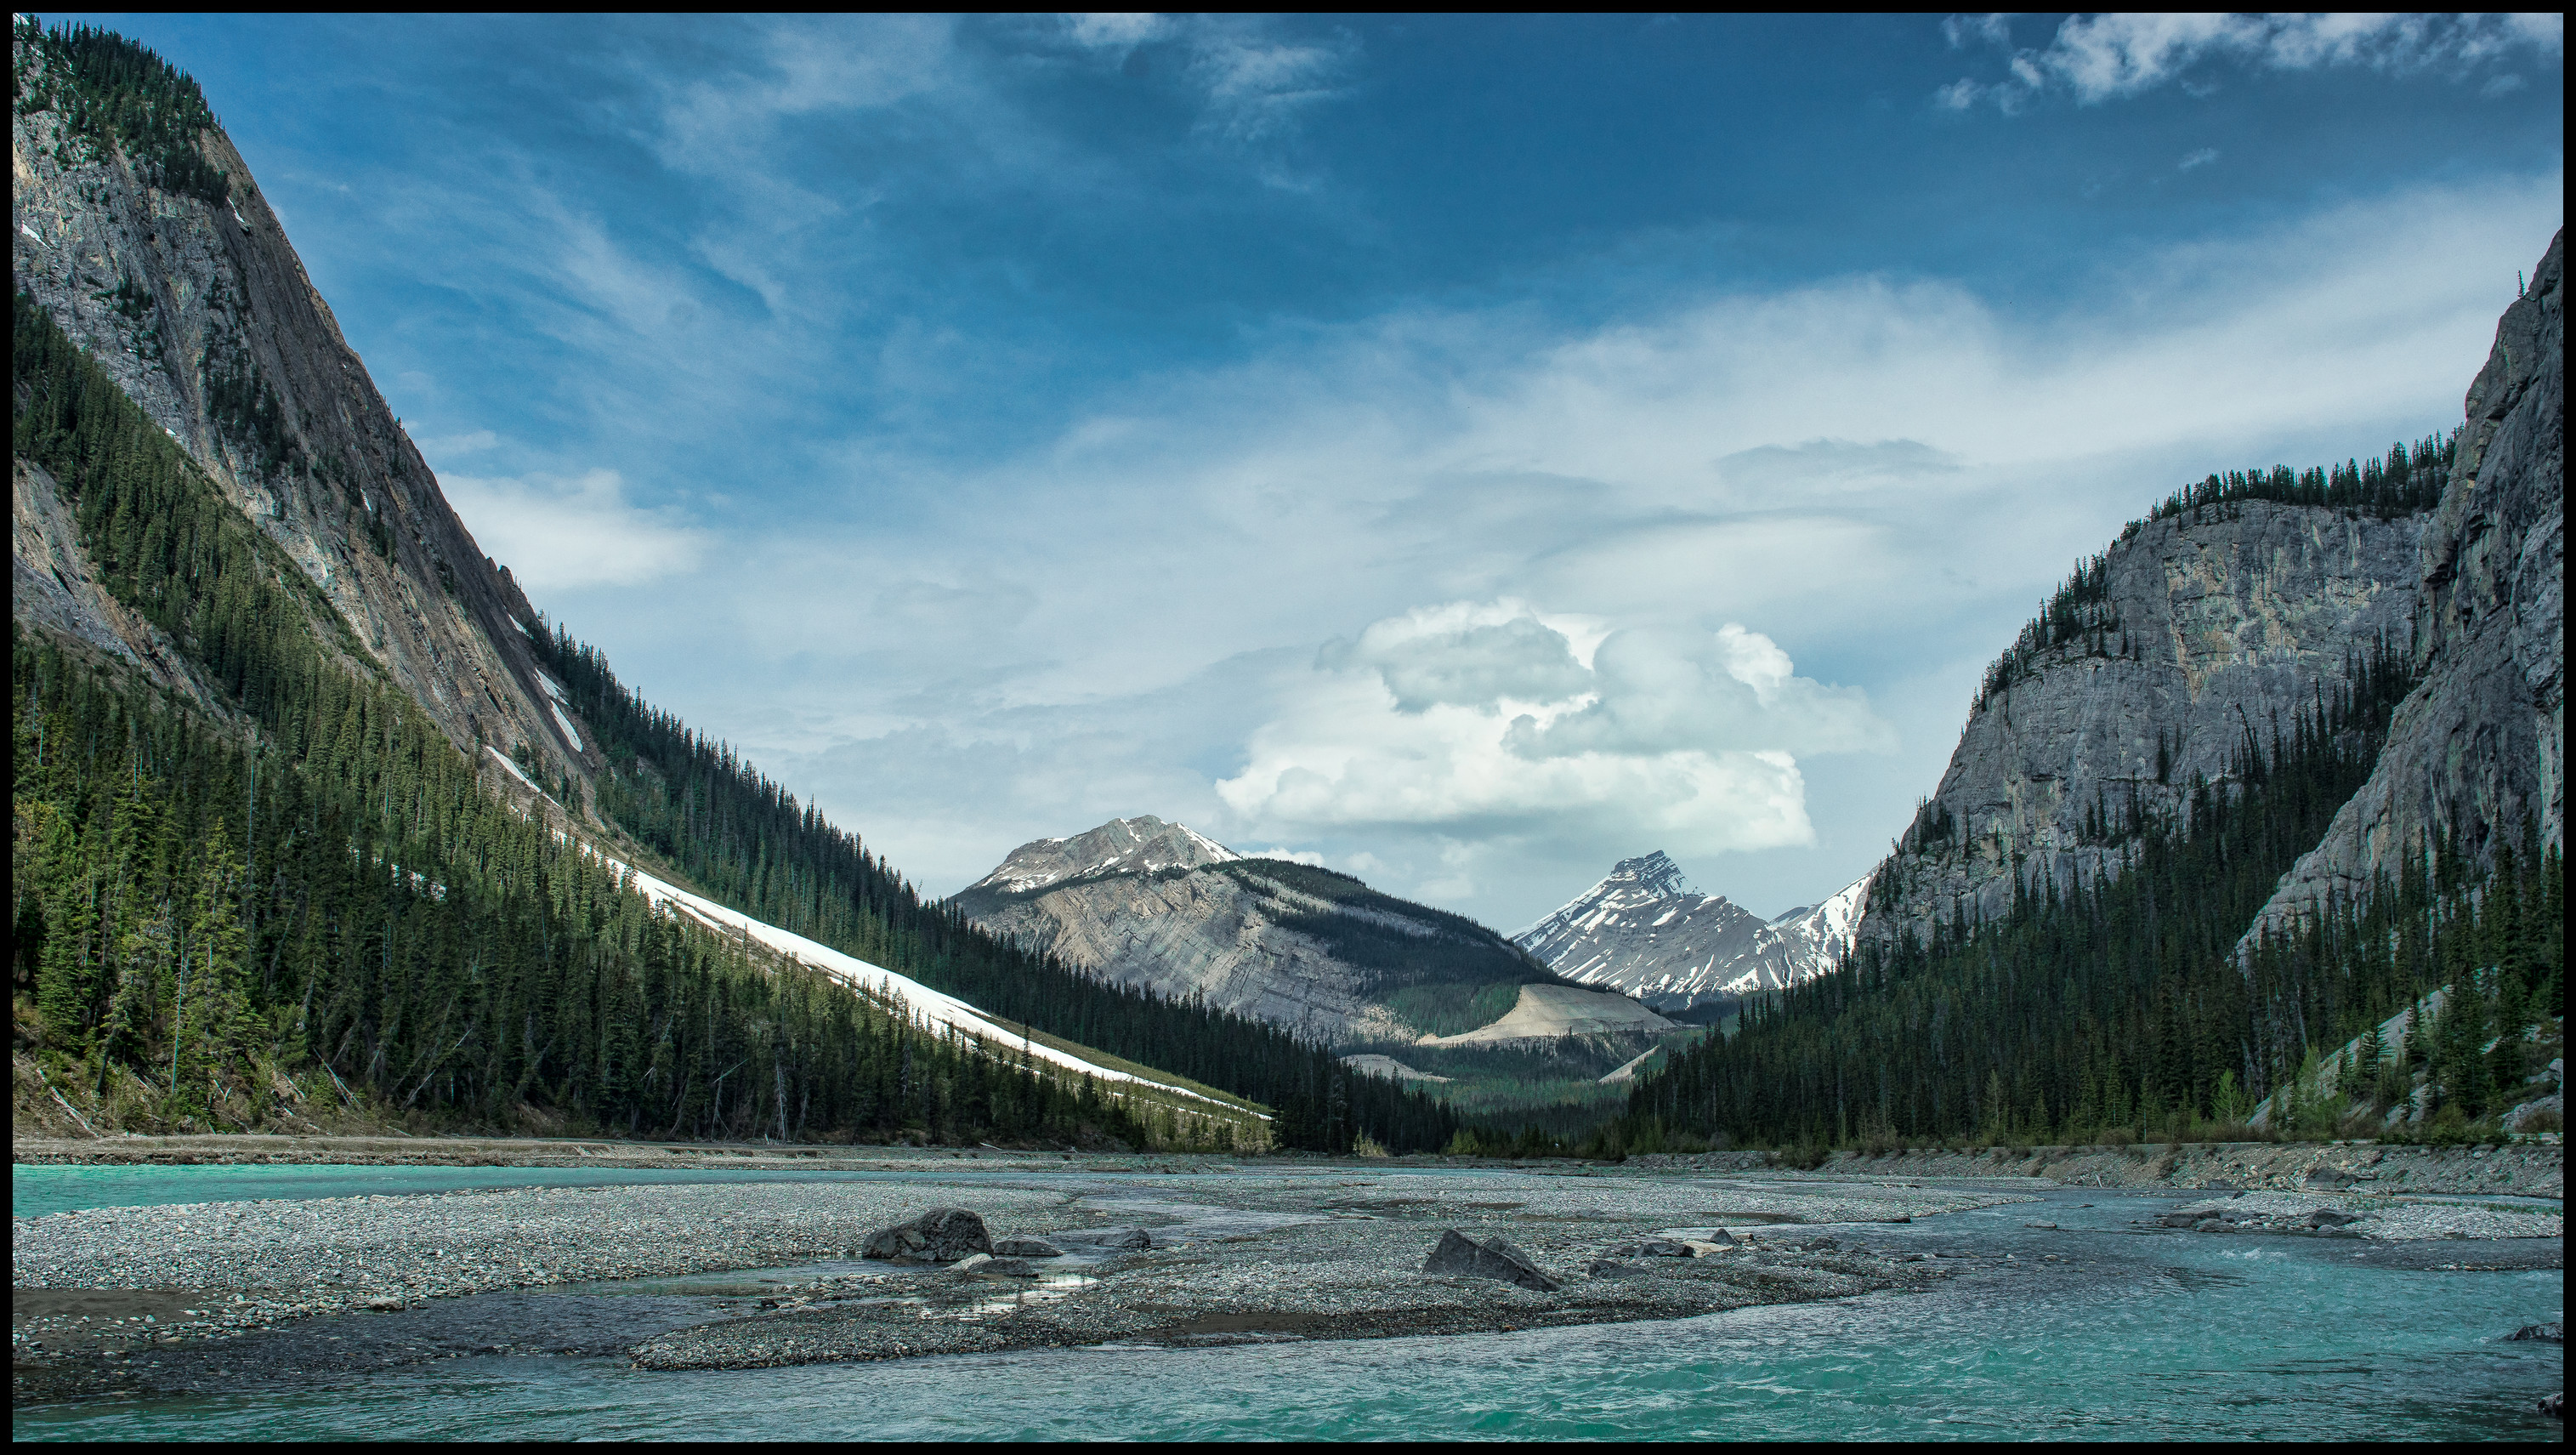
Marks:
<point>2553,1332</point>
<point>1460,1257</point>
<point>941,1235</point>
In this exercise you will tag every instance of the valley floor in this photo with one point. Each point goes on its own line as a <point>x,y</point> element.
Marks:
<point>746,1257</point>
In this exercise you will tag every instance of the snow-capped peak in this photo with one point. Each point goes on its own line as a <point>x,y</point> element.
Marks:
<point>1645,931</point>
<point>1141,845</point>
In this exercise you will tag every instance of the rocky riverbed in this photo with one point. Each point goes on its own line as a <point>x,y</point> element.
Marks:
<point>177,1295</point>
<point>1170,1252</point>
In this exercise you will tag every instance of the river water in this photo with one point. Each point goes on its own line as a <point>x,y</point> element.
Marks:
<point>2126,1336</point>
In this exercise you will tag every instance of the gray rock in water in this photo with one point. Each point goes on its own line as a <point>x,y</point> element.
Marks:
<point>1027,1248</point>
<point>2326,1217</point>
<point>2549,1333</point>
<point>2554,1405</point>
<point>1460,1257</point>
<point>941,1235</point>
<point>1005,1268</point>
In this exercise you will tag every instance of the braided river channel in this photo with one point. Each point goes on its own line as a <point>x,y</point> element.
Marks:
<point>2101,1327</point>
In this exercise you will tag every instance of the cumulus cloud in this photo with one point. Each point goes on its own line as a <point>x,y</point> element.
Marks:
<point>1488,716</point>
<point>1465,655</point>
<point>2098,58</point>
<point>1875,479</point>
<point>556,533</point>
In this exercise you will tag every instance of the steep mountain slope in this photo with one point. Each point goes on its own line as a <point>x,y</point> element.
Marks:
<point>1644,931</point>
<point>2478,751</point>
<point>153,249</point>
<point>1156,905</point>
<point>2198,632</point>
<point>2159,883</point>
<point>308,796</point>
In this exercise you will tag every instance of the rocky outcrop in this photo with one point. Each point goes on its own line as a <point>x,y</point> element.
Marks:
<point>2208,626</point>
<point>941,1235</point>
<point>201,311</point>
<point>1458,1256</point>
<point>1154,904</point>
<point>2479,745</point>
<point>1644,931</point>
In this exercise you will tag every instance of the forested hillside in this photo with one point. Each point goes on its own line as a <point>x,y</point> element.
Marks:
<point>214,918</point>
<point>288,646</point>
<point>753,846</point>
<point>2117,1006</point>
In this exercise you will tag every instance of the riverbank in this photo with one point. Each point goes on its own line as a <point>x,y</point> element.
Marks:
<point>2525,1169</point>
<point>2522,1169</point>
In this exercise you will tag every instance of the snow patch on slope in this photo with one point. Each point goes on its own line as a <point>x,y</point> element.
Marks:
<point>933,1007</point>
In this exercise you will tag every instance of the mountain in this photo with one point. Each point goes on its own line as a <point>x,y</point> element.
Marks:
<point>1644,931</point>
<point>2280,763</point>
<point>2152,669</point>
<point>1152,904</point>
<point>141,234</point>
<point>2478,750</point>
<point>1144,845</point>
<point>319,822</point>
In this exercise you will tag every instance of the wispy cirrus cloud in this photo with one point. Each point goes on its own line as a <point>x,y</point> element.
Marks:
<point>2098,58</point>
<point>561,534</point>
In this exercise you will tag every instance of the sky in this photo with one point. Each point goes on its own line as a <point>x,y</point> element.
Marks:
<point>1460,452</point>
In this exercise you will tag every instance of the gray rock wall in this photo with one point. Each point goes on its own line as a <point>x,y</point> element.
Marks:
<point>2480,744</point>
<point>224,294</point>
<point>2221,622</point>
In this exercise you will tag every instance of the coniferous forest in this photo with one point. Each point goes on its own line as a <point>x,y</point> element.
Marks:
<point>2121,1009</point>
<point>223,910</point>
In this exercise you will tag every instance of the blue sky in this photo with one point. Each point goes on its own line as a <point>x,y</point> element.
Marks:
<point>1465,451</point>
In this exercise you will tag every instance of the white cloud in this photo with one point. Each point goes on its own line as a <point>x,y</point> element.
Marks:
<point>2107,57</point>
<point>448,447</point>
<point>2200,158</point>
<point>1483,715</point>
<point>1877,479</point>
<point>556,533</point>
<point>1963,31</point>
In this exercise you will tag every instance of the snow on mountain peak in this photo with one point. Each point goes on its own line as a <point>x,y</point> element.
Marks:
<point>1140,845</point>
<point>1644,930</point>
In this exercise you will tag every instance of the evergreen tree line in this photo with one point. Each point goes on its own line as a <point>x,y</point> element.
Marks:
<point>2120,1002</point>
<point>2081,610</point>
<point>752,845</point>
<point>117,94</point>
<point>314,886</point>
<point>2408,480</point>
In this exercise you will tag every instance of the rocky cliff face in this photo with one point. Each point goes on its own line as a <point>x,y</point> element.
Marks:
<point>201,311</point>
<point>2480,744</point>
<point>1156,905</point>
<point>2206,627</point>
<point>1645,931</point>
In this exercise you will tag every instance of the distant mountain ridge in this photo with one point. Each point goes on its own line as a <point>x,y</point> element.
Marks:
<point>1157,905</point>
<point>1645,931</point>
<point>1142,845</point>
